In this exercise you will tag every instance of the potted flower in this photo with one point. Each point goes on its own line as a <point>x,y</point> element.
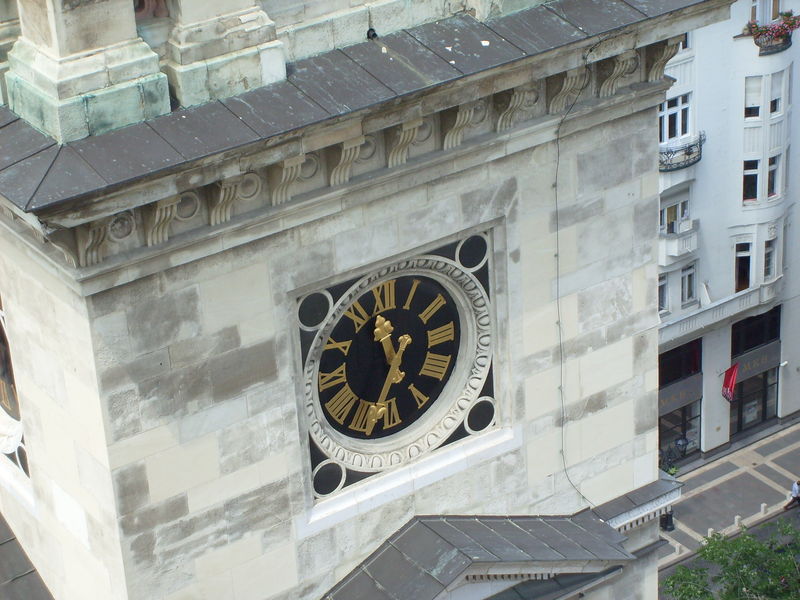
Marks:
<point>776,36</point>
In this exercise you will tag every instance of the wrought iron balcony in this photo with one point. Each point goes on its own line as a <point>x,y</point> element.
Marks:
<point>673,158</point>
<point>769,45</point>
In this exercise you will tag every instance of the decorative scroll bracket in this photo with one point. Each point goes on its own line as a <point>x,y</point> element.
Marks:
<point>219,210</point>
<point>624,64</point>
<point>158,218</point>
<point>351,150</point>
<point>574,82</point>
<point>407,134</point>
<point>524,97</point>
<point>665,53</point>
<point>290,171</point>
<point>455,136</point>
<point>91,239</point>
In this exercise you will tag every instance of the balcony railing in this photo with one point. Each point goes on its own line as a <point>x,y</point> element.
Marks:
<point>673,158</point>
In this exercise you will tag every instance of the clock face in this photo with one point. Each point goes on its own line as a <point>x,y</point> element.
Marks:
<point>395,360</point>
<point>388,356</point>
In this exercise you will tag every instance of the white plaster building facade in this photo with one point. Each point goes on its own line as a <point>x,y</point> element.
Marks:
<point>727,230</point>
<point>202,383</point>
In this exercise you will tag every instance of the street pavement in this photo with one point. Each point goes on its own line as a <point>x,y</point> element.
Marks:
<point>747,486</point>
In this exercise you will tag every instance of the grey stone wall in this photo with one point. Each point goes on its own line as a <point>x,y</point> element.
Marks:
<point>201,383</point>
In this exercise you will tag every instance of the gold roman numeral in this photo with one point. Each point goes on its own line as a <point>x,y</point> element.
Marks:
<point>391,417</point>
<point>357,314</point>
<point>411,293</point>
<point>360,420</point>
<point>435,305</point>
<point>333,378</point>
<point>384,296</point>
<point>418,396</point>
<point>445,333</point>
<point>334,345</point>
<point>339,406</point>
<point>435,365</point>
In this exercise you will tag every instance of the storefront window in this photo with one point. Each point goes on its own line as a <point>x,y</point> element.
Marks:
<point>755,331</point>
<point>679,434</point>
<point>679,363</point>
<point>756,401</point>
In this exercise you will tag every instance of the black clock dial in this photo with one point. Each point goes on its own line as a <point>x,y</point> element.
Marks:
<point>388,357</point>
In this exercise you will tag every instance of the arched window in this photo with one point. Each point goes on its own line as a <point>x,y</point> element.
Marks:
<point>11,440</point>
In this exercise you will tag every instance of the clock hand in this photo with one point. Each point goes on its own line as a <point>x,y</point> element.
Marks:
<point>377,410</point>
<point>383,334</point>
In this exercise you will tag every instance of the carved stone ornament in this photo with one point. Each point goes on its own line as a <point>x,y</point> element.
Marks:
<point>158,218</point>
<point>406,134</point>
<point>664,53</point>
<point>121,226</point>
<point>462,389</point>
<point>574,82</point>
<point>243,187</point>
<point>91,240</point>
<point>290,171</point>
<point>350,151</point>
<point>624,64</point>
<point>523,97</point>
<point>464,117</point>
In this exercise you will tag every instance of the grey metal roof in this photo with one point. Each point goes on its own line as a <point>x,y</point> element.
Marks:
<point>18,579</point>
<point>430,553</point>
<point>35,176</point>
<point>552,589</point>
<point>638,497</point>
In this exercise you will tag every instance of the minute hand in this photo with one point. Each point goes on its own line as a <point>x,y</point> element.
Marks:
<point>394,367</point>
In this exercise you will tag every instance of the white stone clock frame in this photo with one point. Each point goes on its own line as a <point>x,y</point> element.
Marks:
<point>461,392</point>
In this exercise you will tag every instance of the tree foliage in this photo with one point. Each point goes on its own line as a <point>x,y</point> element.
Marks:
<point>745,567</point>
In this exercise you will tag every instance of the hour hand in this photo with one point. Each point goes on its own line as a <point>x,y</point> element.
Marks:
<point>383,334</point>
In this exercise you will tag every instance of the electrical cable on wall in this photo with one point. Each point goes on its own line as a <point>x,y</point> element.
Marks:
<point>559,327</point>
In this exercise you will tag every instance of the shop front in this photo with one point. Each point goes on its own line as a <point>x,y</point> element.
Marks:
<point>756,398</point>
<point>679,403</point>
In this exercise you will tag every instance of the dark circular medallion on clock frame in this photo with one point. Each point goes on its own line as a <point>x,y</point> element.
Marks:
<point>397,363</point>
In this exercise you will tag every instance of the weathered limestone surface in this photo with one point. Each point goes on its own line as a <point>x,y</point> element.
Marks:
<point>220,49</point>
<point>178,352</point>
<point>80,68</point>
<point>9,31</point>
<point>75,541</point>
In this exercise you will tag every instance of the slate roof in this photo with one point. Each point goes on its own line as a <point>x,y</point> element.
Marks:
<point>552,589</point>
<point>638,497</point>
<point>430,553</point>
<point>18,579</point>
<point>36,173</point>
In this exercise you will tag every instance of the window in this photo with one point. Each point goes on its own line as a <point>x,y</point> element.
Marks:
<point>765,10</point>
<point>752,97</point>
<point>750,181</point>
<point>755,331</point>
<point>670,216</point>
<point>769,259</point>
<point>673,118</point>
<point>11,439</point>
<point>687,284</point>
<point>742,266</point>
<point>755,401</point>
<point>680,363</point>
<point>663,299</point>
<point>776,92</point>
<point>8,390</point>
<point>684,43</point>
<point>772,175</point>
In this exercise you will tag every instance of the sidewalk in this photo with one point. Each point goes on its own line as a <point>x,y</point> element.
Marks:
<point>751,483</point>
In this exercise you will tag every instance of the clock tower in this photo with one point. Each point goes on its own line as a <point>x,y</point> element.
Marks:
<point>379,325</point>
